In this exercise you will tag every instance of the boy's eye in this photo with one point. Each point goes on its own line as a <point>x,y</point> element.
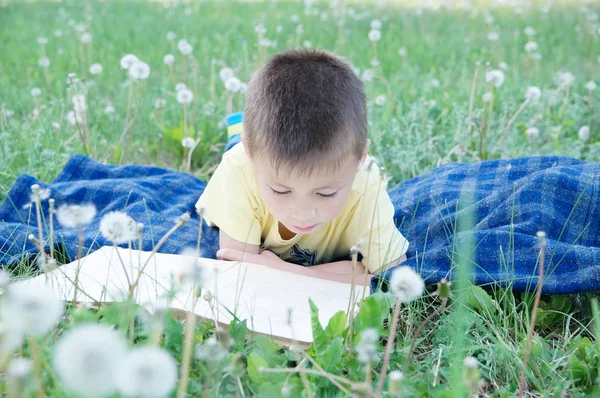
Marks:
<point>331,195</point>
<point>280,192</point>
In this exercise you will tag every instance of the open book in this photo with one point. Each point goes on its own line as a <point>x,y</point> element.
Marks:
<point>274,302</point>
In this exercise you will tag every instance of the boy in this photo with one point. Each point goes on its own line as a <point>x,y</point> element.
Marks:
<point>299,188</point>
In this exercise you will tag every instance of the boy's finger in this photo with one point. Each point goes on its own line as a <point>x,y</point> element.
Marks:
<point>229,254</point>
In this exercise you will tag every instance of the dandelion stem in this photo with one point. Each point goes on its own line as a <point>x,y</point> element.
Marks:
<point>36,356</point>
<point>190,327</point>
<point>388,348</point>
<point>536,304</point>
<point>79,254</point>
<point>420,329</point>
<point>329,376</point>
<point>517,113</point>
<point>472,97</point>
<point>51,215</point>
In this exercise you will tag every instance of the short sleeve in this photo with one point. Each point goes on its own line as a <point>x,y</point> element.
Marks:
<point>230,202</point>
<point>372,226</point>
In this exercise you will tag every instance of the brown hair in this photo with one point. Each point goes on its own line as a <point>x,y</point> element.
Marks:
<point>305,109</point>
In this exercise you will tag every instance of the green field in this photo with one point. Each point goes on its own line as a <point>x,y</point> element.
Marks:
<point>429,102</point>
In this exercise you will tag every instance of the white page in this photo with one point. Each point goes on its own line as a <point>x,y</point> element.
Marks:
<point>260,294</point>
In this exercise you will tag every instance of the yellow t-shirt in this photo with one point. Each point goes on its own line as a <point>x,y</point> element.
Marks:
<point>232,201</point>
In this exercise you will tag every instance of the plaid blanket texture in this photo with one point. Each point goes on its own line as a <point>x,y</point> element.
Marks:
<point>511,201</point>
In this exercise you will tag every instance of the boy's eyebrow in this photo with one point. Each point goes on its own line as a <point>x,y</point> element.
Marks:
<point>316,189</point>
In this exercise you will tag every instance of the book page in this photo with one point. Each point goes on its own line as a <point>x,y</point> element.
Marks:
<point>273,302</point>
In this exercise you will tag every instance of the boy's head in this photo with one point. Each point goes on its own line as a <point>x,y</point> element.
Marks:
<point>305,129</point>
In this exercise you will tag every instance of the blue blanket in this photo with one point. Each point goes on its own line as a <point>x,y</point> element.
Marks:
<point>513,200</point>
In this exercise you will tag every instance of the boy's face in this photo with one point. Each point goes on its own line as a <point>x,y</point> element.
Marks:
<point>305,204</point>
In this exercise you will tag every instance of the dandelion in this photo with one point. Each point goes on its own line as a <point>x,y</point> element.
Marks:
<point>584,133</point>
<point>431,103</point>
<point>211,351</point>
<point>80,27</point>
<point>168,59</point>
<point>72,118</point>
<point>493,36</point>
<point>171,36</point>
<point>487,97</point>
<point>489,19</point>
<point>58,33</point>
<point>406,284</point>
<point>243,87</point>
<point>374,35</point>
<point>79,105</point>
<point>147,372</point>
<point>74,216</point>
<point>531,47</point>
<point>279,28</point>
<point>85,38</point>
<point>295,18</point>
<point>226,74</point>
<point>435,83</point>
<point>44,62</point>
<point>260,29</point>
<point>139,71</point>
<point>376,24</point>
<point>36,92</point>
<point>533,93</point>
<point>402,52</point>
<point>380,100</point>
<point>32,310</point>
<point>503,65</point>
<point>264,42</point>
<point>564,78</point>
<point>128,60</point>
<point>95,69</point>
<point>495,76</point>
<point>160,103</point>
<point>188,142</point>
<point>367,346</point>
<point>87,358</point>
<point>180,86</point>
<point>307,43</point>
<point>184,96</point>
<point>109,109</point>
<point>299,29</point>
<point>184,47</point>
<point>19,369</point>
<point>118,227</point>
<point>471,373</point>
<point>529,31</point>
<point>591,85</point>
<point>532,132</point>
<point>233,84</point>
<point>56,125</point>
<point>4,279</point>
<point>42,40</point>
<point>367,75</point>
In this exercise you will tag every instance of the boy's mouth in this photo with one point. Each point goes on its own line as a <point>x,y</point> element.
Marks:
<point>305,229</point>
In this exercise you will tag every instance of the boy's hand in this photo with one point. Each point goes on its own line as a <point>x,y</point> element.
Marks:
<point>265,257</point>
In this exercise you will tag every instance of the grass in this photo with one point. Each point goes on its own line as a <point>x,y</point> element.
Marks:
<point>432,112</point>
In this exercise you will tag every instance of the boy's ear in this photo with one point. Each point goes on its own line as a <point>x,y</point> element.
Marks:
<point>365,153</point>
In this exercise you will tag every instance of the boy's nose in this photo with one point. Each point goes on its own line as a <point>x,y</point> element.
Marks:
<point>304,214</point>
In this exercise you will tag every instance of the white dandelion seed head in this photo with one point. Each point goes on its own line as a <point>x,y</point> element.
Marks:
<point>169,59</point>
<point>4,279</point>
<point>33,310</point>
<point>471,362</point>
<point>95,69</point>
<point>402,52</point>
<point>406,284</point>
<point>260,29</point>
<point>180,86</point>
<point>503,65</point>
<point>118,227</point>
<point>307,44</point>
<point>537,56</point>
<point>46,264</point>
<point>584,133</point>
<point>366,349</point>
<point>435,83</point>
<point>148,372</point>
<point>374,35</point>
<point>87,358</point>
<point>184,47</point>
<point>533,93</point>
<point>493,36</point>
<point>529,31</point>
<point>42,40</point>
<point>72,119</point>
<point>396,376</point>
<point>44,62</point>
<point>85,38</point>
<point>489,19</point>
<point>233,84</point>
<point>487,97</point>
<point>160,103</point>
<point>171,36</point>
<point>79,104</point>
<point>367,75</point>
<point>226,74</point>
<point>591,85</point>
<point>431,103</point>
<point>10,337</point>
<point>80,27</point>
<point>188,142</point>
<point>564,78</point>
<point>36,92</point>
<point>109,109</point>
<point>376,24</point>
<point>211,351</point>
<point>380,100</point>
<point>139,71</point>
<point>264,42</point>
<point>299,29</point>
<point>495,76</point>
<point>532,132</point>
<point>193,272</point>
<point>58,33</point>
<point>295,18</point>
<point>74,216</point>
<point>531,47</point>
<point>19,369</point>
<point>128,60</point>
<point>279,28</point>
<point>374,62</point>
<point>243,87</point>
<point>184,96</point>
